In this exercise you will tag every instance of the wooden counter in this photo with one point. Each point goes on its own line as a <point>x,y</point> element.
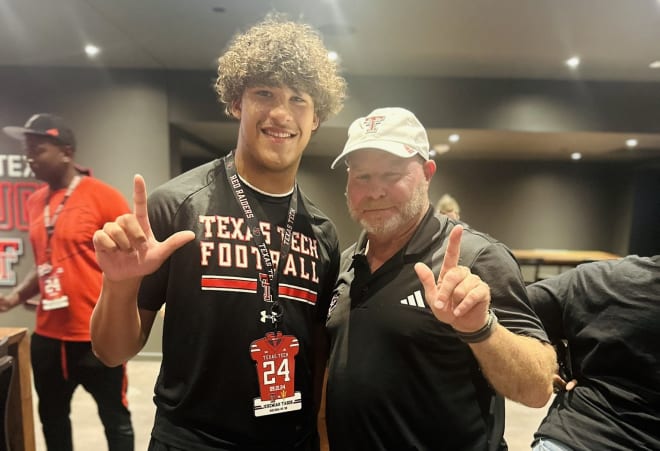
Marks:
<point>562,257</point>
<point>20,421</point>
<point>556,257</point>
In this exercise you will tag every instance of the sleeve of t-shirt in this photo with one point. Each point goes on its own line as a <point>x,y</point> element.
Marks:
<point>104,204</point>
<point>496,266</point>
<point>329,283</point>
<point>154,286</point>
<point>547,298</point>
<point>111,203</point>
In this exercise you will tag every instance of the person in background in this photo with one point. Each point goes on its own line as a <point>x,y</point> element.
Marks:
<point>607,314</point>
<point>417,362</point>
<point>63,216</point>
<point>242,258</point>
<point>448,206</point>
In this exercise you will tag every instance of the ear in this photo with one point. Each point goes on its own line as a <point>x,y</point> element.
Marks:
<point>429,169</point>
<point>316,123</point>
<point>235,109</point>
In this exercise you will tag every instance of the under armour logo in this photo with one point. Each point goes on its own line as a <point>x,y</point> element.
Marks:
<point>266,317</point>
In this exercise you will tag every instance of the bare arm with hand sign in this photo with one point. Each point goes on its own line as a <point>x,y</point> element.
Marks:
<point>458,297</point>
<point>520,368</point>
<point>127,251</point>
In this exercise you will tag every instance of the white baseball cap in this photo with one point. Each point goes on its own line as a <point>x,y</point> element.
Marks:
<point>394,130</point>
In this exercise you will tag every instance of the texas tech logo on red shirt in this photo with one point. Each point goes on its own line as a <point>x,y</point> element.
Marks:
<point>275,357</point>
<point>276,366</point>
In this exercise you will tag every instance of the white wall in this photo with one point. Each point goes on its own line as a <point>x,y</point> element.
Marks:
<point>120,120</point>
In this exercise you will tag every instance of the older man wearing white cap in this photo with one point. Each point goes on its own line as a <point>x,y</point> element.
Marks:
<point>429,321</point>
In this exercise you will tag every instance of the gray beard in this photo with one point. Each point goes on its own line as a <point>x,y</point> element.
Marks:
<point>414,208</point>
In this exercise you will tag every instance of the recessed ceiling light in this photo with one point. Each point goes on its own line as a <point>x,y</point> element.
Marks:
<point>630,143</point>
<point>655,64</point>
<point>576,156</point>
<point>92,50</point>
<point>454,138</point>
<point>441,148</point>
<point>333,56</point>
<point>573,62</point>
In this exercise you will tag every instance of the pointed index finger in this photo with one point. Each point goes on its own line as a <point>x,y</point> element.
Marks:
<point>453,251</point>
<point>140,202</point>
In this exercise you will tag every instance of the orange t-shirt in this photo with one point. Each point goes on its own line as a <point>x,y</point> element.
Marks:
<point>90,206</point>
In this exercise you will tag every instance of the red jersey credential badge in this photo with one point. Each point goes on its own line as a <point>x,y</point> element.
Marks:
<point>276,366</point>
<point>49,280</point>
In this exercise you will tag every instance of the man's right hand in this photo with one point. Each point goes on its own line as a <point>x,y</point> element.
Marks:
<point>560,384</point>
<point>8,302</point>
<point>127,249</point>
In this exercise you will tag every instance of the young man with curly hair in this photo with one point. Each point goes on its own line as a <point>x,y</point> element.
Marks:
<point>244,261</point>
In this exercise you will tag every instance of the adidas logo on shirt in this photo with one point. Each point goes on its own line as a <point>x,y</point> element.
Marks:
<point>414,300</point>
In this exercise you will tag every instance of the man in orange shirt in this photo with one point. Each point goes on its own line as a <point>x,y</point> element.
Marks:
<point>63,216</point>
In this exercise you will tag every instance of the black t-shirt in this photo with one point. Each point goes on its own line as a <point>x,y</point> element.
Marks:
<point>609,313</point>
<point>215,310</point>
<point>399,379</point>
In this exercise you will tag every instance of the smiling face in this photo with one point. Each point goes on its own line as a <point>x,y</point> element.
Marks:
<point>276,126</point>
<point>386,194</point>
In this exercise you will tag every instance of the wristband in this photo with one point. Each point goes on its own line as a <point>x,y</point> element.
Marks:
<point>481,334</point>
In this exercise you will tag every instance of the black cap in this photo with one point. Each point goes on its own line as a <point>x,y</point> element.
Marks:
<point>45,125</point>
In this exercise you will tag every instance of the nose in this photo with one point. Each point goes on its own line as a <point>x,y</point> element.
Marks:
<point>281,110</point>
<point>377,188</point>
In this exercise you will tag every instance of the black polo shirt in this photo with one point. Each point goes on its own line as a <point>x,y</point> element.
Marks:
<point>399,379</point>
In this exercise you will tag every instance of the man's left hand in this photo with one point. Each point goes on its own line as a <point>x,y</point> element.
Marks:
<point>458,297</point>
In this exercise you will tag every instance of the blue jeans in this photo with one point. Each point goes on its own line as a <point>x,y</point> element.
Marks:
<point>548,444</point>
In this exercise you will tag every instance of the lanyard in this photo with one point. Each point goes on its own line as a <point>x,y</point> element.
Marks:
<point>252,223</point>
<point>50,223</point>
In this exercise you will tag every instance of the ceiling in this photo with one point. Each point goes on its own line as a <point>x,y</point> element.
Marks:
<point>616,39</point>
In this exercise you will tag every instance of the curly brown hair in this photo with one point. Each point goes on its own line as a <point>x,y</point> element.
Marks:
<point>280,52</point>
